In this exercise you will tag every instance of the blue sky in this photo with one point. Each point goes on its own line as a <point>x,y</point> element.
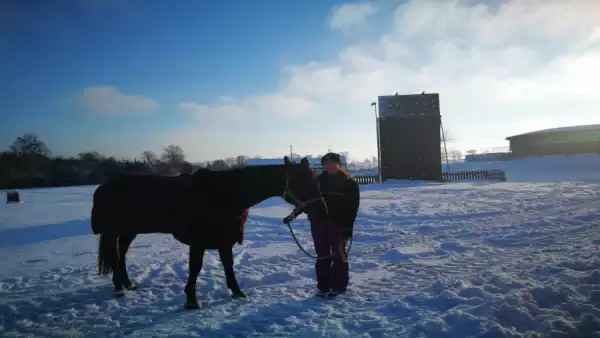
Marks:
<point>238,77</point>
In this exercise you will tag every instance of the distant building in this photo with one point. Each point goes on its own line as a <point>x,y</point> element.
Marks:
<point>487,157</point>
<point>557,141</point>
<point>314,163</point>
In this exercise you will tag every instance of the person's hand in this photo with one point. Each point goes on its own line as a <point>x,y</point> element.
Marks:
<point>343,248</point>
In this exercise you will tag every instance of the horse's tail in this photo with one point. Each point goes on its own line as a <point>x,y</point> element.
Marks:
<point>108,254</point>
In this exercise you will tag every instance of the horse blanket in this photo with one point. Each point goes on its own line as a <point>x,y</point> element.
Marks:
<point>145,203</point>
<point>226,232</point>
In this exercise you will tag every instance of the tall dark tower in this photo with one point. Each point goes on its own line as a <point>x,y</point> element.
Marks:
<point>409,127</point>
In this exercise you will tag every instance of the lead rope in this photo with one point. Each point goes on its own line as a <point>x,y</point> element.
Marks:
<point>300,205</point>
<point>339,250</point>
<point>297,211</point>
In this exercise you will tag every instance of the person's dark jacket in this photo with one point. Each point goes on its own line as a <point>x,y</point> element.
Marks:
<point>342,195</point>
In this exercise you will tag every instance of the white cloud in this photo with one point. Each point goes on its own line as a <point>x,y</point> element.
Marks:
<point>231,110</point>
<point>270,105</point>
<point>499,71</point>
<point>110,101</point>
<point>348,15</point>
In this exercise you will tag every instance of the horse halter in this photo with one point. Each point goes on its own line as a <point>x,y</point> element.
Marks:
<point>299,205</point>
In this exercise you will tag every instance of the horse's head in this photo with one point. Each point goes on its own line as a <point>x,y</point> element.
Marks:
<point>302,188</point>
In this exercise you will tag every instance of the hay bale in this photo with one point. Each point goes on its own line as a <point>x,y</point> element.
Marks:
<point>13,196</point>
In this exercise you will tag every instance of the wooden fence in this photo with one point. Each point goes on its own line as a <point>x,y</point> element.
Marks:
<point>366,179</point>
<point>449,176</point>
<point>465,175</point>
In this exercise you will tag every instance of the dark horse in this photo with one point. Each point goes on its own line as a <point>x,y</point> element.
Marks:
<point>201,210</point>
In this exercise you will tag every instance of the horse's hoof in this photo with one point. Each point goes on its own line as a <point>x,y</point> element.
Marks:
<point>239,295</point>
<point>191,306</point>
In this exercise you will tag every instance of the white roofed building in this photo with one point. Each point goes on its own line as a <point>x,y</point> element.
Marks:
<point>557,141</point>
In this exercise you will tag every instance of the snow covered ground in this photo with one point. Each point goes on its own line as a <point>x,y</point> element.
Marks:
<point>584,167</point>
<point>481,259</point>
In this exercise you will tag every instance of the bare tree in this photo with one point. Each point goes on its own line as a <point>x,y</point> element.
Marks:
<point>241,160</point>
<point>471,152</point>
<point>447,136</point>
<point>90,156</point>
<point>149,157</point>
<point>29,144</point>
<point>219,165</point>
<point>456,154</point>
<point>173,154</point>
<point>230,161</point>
<point>374,159</point>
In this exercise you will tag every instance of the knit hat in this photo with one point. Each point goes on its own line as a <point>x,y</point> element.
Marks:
<point>331,157</point>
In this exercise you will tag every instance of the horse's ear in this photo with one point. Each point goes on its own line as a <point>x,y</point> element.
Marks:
<point>286,160</point>
<point>304,162</point>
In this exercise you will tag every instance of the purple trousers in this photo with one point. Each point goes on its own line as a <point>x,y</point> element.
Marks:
<point>332,273</point>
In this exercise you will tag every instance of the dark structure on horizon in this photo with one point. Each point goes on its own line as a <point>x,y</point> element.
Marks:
<point>409,128</point>
<point>557,141</point>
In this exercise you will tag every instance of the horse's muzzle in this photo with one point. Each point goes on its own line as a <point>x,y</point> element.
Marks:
<point>306,207</point>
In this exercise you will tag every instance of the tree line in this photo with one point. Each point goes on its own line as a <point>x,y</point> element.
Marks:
<point>29,164</point>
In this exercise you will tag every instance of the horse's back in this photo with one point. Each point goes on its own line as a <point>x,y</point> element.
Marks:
<point>146,203</point>
<point>138,185</point>
<point>136,203</point>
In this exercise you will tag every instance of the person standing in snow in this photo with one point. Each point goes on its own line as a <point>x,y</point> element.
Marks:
<point>331,231</point>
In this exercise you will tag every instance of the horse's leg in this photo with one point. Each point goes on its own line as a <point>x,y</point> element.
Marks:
<point>108,261</point>
<point>226,255</point>
<point>124,243</point>
<point>195,266</point>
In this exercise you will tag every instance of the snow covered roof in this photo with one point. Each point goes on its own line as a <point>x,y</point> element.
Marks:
<point>589,127</point>
<point>314,162</point>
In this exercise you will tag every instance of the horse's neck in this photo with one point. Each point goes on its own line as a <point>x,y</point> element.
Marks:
<point>258,183</point>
